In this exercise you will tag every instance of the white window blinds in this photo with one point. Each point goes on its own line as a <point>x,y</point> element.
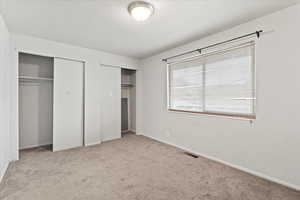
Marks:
<point>220,82</point>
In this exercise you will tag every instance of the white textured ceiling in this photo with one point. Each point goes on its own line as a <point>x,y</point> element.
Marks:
<point>106,25</point>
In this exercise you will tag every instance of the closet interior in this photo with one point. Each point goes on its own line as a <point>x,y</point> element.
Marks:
<point>51,102</point>
<point>35,101</point>
<point>128,101</point>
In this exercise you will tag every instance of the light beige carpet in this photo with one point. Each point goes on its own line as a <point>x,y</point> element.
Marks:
<point>131,168</point>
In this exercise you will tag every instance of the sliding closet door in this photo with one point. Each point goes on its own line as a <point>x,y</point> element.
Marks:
<point>68,104</point>
<point>110,102</point>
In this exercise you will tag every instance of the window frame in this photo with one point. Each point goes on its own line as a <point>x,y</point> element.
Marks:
<point>251,116</point>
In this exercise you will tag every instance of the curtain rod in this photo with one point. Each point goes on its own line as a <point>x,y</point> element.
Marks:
<point>257,33</point>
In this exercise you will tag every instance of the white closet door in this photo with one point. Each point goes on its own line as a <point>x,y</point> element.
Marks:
<point>68,104</point>
<point>110,103</point>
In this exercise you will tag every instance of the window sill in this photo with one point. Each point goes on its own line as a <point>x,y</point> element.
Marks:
<point>238,116</point>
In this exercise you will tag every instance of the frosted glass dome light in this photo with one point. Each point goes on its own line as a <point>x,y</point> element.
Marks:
<point>140,10</point>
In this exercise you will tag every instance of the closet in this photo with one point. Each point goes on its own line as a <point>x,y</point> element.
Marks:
<point>50,102</point>
<point>35,101</point>
<point>128,101</point>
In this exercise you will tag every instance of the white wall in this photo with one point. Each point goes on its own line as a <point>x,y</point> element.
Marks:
<point>270,146</point>
<point>5,74</point>
<point>92,59</point>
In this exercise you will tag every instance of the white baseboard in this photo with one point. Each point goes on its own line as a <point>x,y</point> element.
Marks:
<point>249,171</point>
<point>3,170</point>
<point>93,143</point>
<point>140,133</point>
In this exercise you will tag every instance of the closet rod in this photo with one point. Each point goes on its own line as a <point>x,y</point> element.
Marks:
<point>257,33</point>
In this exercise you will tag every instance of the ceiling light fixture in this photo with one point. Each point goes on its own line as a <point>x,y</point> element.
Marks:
<point>140,10</point>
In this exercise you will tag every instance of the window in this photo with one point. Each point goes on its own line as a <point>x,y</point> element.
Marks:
<point>219,83</point>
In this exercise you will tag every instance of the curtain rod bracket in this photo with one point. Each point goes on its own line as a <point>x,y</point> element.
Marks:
<point>258,34</point>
